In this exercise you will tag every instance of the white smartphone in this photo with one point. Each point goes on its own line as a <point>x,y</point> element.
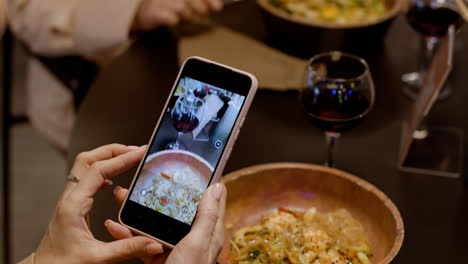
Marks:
<point>188,149</point>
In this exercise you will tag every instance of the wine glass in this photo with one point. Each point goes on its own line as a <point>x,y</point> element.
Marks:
<point>186,116</point>
<point>339,92</point>
<point>431,18</point>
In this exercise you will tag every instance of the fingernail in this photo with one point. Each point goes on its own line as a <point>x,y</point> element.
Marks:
<point>133,147</point>
<point>154,248</point>
<point>107,222</point>
<point>217,191</point>
<point>117,189</point>
<point>144,146</point>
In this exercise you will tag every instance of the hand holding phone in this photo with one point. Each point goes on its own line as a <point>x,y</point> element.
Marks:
<point>205,240</point>
<point>68,237</point>
<point>188,150</point>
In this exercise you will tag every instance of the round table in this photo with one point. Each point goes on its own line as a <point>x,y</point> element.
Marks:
<point>126,100</point>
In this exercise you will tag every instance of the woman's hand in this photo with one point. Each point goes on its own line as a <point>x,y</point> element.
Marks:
<point>152,14</point>
<point>68,238</point>
<point>205,240</point>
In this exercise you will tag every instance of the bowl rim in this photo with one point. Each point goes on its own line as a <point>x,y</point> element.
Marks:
<point>400,231</point>
<point>178,151</point>
<point>393,12</point>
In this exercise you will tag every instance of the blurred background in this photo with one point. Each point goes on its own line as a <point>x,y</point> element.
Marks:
<point>124,101</point>
<point>36,169</point>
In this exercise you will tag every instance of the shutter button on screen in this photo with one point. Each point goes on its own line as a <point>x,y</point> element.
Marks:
<point>218,144</point>
<point>164,200</point>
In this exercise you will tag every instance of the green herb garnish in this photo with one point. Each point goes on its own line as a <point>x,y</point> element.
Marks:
<point>253,253</point>
<point>261,231</point>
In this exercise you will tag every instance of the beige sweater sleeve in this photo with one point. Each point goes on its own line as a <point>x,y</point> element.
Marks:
<point>91,28</point>
<point>28,260</point>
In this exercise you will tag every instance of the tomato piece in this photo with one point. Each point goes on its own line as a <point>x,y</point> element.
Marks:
<point>165,175</point>
<point>284,210</point>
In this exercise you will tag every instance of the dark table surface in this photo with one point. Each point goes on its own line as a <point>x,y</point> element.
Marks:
<point>126,100</point>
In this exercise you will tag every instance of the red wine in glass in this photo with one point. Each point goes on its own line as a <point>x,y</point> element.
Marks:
<point>185,117</point>
<point>334,109</point>
<point>339,91</point>
<point>184,122</point>
<point>433,22</point>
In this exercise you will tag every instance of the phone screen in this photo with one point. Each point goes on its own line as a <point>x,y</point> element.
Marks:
<point>186,149</point>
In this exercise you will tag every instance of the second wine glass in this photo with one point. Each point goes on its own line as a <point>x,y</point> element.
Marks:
<point>339,92</point>
<point>186,116</point>
<point>431,19</point>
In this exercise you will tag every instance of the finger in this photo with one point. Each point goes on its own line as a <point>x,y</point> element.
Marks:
<point>120,232</point>
<point>198,6</point>
<point>168,18</point>
<point>218,237</point>
<point>186,13</point>
<point>208,213</point>
<point>85,159</point>
<point>102,153</point>
<point>69,189</point>
<point>176,5</point>
<point>215,5</point>
<point>181,8</point>
<point>106,184</point>
<point>117,230</point>
<point>102,170</point>
<point>120,194</point>
<point>128,248</point>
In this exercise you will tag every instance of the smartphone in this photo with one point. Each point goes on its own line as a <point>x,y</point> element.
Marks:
<point>188,149</point>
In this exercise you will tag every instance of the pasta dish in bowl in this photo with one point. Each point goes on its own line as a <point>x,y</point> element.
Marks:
<point>306,27</point>
<point>172,183</point>
<point>337,11</point>
<point>295,237</point>
<point>288,213</point>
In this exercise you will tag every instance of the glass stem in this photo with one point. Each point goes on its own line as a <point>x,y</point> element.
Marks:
<point>331,138</point>
<point>177,144</point>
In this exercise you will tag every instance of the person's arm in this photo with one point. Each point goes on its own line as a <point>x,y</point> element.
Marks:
<point>94,28</point>
<point>64,27</point>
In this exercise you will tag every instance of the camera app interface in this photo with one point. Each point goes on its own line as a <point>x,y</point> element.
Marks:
<point>186,148</point>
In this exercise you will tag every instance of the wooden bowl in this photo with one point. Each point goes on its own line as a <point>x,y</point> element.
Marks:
<point>257,190</point>
<point>304,37</point>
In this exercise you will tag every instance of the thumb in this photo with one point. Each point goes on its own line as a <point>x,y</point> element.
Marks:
<point>208,213</point>
<point>129,248</point>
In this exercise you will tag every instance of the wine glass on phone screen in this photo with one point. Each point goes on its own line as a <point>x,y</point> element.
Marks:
<point>339,92</point>
<point>430,18</point>
<point>186,116</point>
